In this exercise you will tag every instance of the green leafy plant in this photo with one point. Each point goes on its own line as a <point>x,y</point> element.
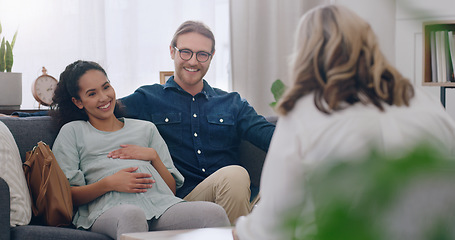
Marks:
<point>6,53</point>
<point>278,88</point>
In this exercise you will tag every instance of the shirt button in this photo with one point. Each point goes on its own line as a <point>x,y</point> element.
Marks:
<point>198,151</point>
<point>195,134</point>
<point>195,115</point>
<point>203,169</point>
<point>221,120</point>
<point>194,99</point>
<point>166,119</point>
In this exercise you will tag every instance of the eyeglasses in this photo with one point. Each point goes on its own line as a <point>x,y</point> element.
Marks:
<point>186,54</point>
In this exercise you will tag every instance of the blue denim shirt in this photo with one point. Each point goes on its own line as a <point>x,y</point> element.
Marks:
<point>203,132</point>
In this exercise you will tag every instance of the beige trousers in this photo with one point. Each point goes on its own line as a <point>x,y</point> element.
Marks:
<point>228,187</point>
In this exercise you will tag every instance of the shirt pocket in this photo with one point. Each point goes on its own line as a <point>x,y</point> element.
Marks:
<point>170,127</point>
<point>221,130</point>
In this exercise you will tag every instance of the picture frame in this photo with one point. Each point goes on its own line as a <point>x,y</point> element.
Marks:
<point>164,76</point>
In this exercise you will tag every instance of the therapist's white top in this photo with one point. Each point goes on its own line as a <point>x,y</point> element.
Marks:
<point>306,137</point>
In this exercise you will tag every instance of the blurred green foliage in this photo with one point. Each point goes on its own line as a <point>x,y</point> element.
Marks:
<point>278,88</point>
<point>354,199</point>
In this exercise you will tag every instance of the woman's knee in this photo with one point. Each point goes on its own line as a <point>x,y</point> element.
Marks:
<point>131,217</point>
<point>190,215</point>
<point>121,219</point>
<point>214,215</point>
<point>129,211</point>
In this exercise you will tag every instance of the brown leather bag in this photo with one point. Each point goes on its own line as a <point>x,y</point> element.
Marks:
<point>49,188</point>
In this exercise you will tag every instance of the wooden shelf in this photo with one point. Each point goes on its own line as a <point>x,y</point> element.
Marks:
<point>435,84</point>
<point>427,28</point>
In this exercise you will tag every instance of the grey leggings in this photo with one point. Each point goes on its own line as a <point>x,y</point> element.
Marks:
<point>128,218</point>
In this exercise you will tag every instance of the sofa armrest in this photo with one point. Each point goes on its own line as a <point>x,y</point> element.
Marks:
<point>252,158</point>
<point>4,210</point>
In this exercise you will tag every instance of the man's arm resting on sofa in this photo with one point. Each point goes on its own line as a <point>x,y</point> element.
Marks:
<point>4,210</point>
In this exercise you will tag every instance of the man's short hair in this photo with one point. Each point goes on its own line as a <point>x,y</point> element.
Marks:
<point>194,26</point>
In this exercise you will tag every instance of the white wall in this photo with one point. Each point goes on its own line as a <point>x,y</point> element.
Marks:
<point>381,16</point>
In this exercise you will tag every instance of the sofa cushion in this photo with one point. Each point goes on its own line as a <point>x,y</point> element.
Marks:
<point>11,171</point>
<point>34,232</point>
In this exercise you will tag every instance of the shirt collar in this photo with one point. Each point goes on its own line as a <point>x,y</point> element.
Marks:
<point>207,90</point>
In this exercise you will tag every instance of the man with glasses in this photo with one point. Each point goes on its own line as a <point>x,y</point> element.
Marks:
<point>202,126</point>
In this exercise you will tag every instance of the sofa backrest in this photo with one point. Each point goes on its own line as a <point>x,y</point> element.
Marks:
<point>28,131</point>
<point>252,158</point>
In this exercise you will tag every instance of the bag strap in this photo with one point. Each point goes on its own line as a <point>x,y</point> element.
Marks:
<point>46,173</point>
<point>27,168</point>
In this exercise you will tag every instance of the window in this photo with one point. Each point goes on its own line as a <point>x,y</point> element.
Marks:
<point>130,39</point>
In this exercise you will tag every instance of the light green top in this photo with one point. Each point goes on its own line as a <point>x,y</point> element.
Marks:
<point>81,151</point>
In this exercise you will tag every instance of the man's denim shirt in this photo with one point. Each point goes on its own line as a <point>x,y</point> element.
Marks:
<point>203,132</point>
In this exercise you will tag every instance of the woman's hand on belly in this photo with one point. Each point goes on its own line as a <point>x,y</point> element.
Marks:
<point>127,180</point>
<point>129,151</point>
<point>148,154</point>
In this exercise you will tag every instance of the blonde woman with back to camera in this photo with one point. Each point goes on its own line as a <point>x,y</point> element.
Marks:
<point>345,99</point>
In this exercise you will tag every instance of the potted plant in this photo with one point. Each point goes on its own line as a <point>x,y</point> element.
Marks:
<point>10,82</point>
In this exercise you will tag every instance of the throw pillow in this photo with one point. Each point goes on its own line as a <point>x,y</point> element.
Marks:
<point>11,170</point>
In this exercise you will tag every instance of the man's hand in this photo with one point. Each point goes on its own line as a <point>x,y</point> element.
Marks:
<point>4,115</point>
<point>129,151</point>
<point>127,180</point>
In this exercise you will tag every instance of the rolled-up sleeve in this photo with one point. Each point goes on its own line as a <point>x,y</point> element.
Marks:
<point>65,152</point>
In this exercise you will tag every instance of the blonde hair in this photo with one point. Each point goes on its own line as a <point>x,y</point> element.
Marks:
<point>336,56</point>
<point>194,26</point>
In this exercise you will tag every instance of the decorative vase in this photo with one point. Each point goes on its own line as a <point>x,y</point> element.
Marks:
<point>10,90</point>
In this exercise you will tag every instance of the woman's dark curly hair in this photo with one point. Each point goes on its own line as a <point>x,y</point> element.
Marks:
<point>63,109</point>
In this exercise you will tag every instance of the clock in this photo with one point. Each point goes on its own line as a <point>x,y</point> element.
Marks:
<point>43,88</point>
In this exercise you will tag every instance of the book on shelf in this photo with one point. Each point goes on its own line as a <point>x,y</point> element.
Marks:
<point>451,45</point>
<point>439,57</point>
<point>448,60</point>
<point>442,50</point>
<point>434,72</point>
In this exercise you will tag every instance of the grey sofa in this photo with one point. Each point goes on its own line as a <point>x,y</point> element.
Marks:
<point>27,131</point>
